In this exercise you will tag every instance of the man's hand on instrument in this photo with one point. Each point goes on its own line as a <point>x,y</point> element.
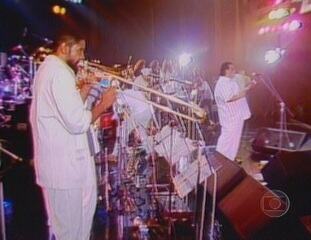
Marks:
<point>84,90</point>
<point>109,97</point>
<point>106,101</point>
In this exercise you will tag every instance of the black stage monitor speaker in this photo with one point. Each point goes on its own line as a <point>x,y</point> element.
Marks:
<point>291,172</point>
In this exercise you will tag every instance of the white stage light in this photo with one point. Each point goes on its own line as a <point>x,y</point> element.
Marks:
<point>184,59</point>
<point>279,13</point>
<point>273,55</point>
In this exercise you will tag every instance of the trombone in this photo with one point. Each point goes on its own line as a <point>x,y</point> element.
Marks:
<point>102,71</point>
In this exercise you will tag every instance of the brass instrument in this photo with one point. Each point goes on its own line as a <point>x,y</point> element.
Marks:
<point>101,71</point>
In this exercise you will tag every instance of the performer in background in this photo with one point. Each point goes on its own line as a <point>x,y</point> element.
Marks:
<point>233,110</point>
<point>60,121</point>
<point>166,73</point>
<point>205,94</point>
<point>154,65</point>
<point>140,77</point>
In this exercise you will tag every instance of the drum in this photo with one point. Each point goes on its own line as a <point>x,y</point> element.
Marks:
<point>6,90</point>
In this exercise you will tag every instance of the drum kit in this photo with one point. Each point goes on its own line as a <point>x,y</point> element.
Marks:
<point>16,75</point>
<point>18,66</point>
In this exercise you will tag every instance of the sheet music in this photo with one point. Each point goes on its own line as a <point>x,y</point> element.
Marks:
<point>170,138</point>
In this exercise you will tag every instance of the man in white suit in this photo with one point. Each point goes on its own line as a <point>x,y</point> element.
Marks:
<point>64,166</point>
<point>233,110</point>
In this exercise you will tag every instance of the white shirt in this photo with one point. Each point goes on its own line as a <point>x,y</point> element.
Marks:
<point>230,112</point>
<point>59,123</point>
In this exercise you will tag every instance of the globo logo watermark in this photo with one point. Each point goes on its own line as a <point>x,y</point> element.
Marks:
<point>274,203</point>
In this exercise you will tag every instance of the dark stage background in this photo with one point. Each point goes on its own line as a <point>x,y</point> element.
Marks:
<point>212,30</point>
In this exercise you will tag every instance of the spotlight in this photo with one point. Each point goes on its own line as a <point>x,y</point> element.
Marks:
<point>63,11</point>
<point>285,26</point>
<point>59,10</point>
<point>56,9</point>
<point>294,25</point>
<point>261,31</point>
<point>272,14</point>
<point>184,59</point>
<point>273,55</point>
<point>278,2</point>
<point>279,13</point>
<point>273,29</point>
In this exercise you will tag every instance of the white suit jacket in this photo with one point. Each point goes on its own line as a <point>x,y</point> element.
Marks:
<point>230,112</point>
<point>59,123</point>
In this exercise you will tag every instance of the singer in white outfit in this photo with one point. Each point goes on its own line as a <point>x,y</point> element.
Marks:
<point>59,119</point>
<point>233,110</point>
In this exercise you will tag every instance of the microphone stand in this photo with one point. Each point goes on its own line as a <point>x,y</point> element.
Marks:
<point>170,184</point>
<point>283,109</point>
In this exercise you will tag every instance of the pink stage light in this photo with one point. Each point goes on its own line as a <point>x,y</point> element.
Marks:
<point>278,2</point>
<point>261,31</point>
<point>273,29</point>
<point>285,26</point>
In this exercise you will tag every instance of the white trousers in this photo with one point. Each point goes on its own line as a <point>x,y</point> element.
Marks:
<point>70,212</point>
<point>229,140</point>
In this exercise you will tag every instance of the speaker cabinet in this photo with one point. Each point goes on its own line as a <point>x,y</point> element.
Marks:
<point>229,175</point>
<point>247,207</point>
<point>291,173</point>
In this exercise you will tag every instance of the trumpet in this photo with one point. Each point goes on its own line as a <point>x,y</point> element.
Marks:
<point>101,71</point>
